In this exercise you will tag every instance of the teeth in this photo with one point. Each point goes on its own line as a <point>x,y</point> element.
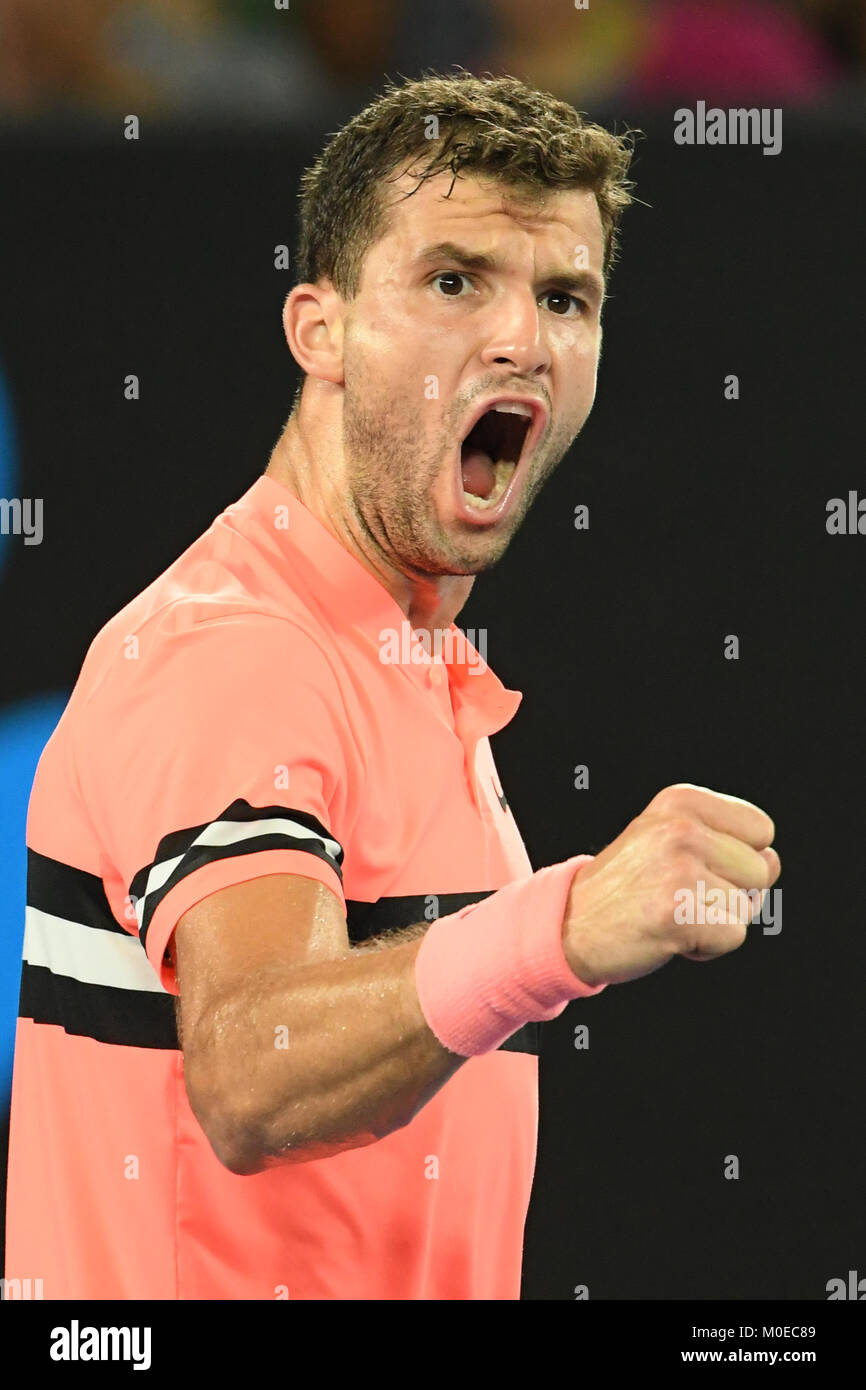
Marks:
<point>513,408</point>
<point>504,469</point>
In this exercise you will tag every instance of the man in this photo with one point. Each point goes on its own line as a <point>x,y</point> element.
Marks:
<point>274,775</point>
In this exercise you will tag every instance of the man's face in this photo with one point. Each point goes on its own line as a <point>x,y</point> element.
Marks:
<point>434,337</point>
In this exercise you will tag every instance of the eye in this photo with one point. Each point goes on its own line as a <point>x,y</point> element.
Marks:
<point>567,300</point>
<point>452,276</point>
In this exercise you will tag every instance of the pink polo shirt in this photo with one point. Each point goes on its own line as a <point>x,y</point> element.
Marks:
<point>257,709</point>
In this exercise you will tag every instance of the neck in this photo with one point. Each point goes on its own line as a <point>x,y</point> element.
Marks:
<point>301,461</point>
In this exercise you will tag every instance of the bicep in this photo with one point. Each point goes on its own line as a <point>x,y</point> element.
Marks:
<point>228,942</point>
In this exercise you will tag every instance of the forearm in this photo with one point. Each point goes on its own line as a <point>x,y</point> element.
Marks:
<point>327,1057</point>
<point>305,1060</point>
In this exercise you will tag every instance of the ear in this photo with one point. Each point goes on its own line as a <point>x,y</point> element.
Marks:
<point>313,324</point>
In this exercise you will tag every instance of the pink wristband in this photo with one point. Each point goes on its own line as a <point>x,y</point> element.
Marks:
<point>482,972</point>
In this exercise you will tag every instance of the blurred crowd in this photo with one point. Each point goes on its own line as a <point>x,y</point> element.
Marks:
<point>234,59</point>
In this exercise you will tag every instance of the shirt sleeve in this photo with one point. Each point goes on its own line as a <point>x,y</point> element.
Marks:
<point>211,756</point>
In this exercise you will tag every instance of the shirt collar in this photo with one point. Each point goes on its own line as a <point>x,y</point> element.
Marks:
<point>353,597</point>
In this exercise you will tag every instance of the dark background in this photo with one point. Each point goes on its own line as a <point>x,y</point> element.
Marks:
<point>707,518</point>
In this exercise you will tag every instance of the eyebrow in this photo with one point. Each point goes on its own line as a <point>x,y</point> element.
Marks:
<point>572,281</point>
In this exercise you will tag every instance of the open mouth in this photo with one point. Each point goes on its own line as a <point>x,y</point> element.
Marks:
<point>491,451</point>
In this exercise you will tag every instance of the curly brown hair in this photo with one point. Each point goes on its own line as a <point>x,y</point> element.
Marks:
<point>528,140</point>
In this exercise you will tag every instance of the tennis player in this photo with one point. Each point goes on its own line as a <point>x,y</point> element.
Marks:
<point>286,956</point>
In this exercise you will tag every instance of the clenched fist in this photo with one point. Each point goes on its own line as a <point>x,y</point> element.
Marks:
<point>621,916</point>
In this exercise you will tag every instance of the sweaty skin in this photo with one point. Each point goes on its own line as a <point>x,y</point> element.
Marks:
<point>371,452</point>
<point>368,452</point>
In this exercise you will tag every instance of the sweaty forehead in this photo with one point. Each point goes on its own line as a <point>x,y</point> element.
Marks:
<point>487,212</point>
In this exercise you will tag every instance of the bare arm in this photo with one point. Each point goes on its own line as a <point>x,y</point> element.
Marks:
<point>297,1045</point>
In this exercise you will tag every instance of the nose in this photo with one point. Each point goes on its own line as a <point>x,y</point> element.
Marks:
<point>515,339</point>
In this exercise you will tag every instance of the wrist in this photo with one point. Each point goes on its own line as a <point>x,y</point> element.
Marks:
<point>576,946</point>
<point>483,972</point>
<point>578,957</point>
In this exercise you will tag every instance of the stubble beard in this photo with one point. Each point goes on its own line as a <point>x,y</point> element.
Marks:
<point>391,470</point>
